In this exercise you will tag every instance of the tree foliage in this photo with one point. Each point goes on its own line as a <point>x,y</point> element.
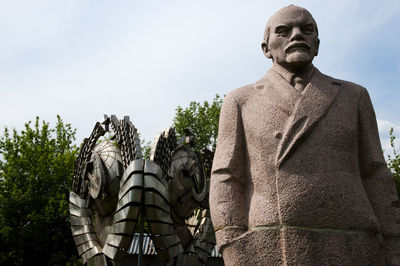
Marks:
<point>202,119</point>
<point>146,147</point>
<point>393,161</point>
<point>36,167</point>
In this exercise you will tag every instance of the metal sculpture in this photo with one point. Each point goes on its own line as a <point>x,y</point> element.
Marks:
<point>115,191</point>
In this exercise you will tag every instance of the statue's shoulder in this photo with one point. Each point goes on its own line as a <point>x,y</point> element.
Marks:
<point>346,85</point>
<point>241,95</point>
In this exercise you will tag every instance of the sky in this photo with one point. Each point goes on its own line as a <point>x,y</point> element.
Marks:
<point>82,59</point>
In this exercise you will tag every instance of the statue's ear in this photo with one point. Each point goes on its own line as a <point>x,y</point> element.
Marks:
<point>264,47</point>
<point>317,47</point>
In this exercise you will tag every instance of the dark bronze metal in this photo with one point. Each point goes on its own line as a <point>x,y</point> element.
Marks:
<point>113,185</point>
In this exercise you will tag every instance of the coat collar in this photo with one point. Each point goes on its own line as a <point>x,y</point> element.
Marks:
<point>305,74</point>
<point>274,86</point>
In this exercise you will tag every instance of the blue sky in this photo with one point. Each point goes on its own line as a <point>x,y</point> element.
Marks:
<point>82,59</point>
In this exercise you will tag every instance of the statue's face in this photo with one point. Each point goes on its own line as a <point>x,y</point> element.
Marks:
<point>293,38</point>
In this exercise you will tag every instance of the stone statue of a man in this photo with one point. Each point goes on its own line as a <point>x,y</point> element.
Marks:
<point>298,176</point>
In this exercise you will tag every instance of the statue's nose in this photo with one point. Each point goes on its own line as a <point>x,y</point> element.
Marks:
<point>296,34</point>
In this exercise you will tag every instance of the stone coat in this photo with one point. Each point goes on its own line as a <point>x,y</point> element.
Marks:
<point>301,178</point>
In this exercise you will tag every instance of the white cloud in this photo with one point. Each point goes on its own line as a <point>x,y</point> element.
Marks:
<point>81,59</point>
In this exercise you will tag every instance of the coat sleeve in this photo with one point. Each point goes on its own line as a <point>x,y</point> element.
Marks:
<point>228,186</point>
<point>378,180</point>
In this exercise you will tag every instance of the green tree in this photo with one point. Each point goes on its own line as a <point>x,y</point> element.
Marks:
<point>146,147</point>
<point>202,119</point>
<point>393,161</point>
<point>36,167</point>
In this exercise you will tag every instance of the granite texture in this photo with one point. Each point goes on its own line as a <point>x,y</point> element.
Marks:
<point>299,177</point>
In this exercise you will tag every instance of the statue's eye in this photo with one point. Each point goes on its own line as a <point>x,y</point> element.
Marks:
<point>308,29</point>
<point>282,30</point>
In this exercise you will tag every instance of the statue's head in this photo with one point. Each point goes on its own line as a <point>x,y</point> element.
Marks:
<point>291,38</point>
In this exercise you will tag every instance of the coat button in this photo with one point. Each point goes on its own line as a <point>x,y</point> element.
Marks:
<point>277,135</point>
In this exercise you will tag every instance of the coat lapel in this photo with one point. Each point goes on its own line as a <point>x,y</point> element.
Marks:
<point>277,88</point>
<point>309,109</point>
